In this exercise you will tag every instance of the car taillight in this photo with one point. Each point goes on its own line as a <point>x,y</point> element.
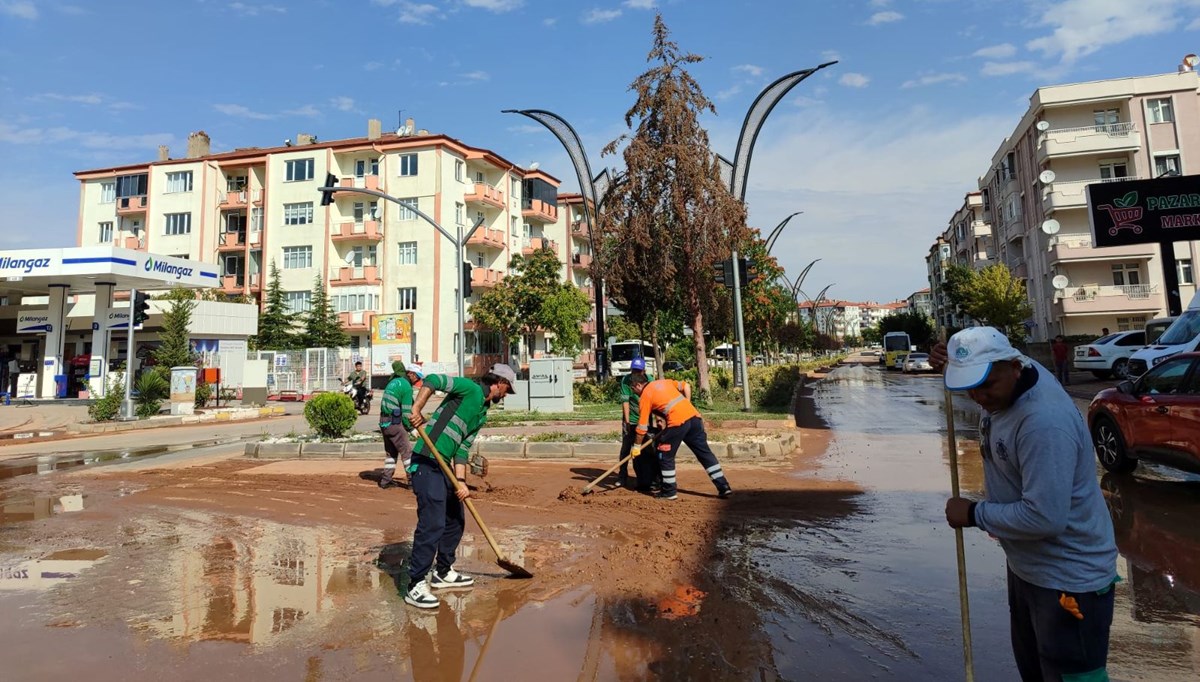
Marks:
<point>1093,353</point>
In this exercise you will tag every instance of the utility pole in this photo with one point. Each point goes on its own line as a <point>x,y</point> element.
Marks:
<point>127,404</point>
<point>739,370</point>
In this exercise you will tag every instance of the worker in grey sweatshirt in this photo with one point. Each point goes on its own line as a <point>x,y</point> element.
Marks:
<point>1043,502</point>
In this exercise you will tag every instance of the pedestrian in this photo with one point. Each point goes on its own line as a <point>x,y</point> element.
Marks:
<point>394,423</point>
<point>671,401</point>
<point>1061,352</point>
<point>440,519</point>
<point>14,373</point>
<point>645,466</point>
<point>1043,504</point>
<point>1104,331</point>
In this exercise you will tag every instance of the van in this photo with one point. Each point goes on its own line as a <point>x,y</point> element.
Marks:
<point>1182,336</point>
<point>1156,327</point>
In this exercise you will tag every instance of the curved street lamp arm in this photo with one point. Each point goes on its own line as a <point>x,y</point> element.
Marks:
<point>414,209</point>
<point>771,238</point>
<point>804,272</point>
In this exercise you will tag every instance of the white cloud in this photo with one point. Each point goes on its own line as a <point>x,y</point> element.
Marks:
<point>249,10</point>
<point>854,80</point>
<point>1007,68</point>
<point>934,79</point>
<point>640,4</point>
<point>880,3</point>
<point>12,134</point>
<point>728,92</point>
<point>91,98</point>
<point>549,21</point>
<point>831,55</point>
<point>749,70</point>
<point>19,8</point>
<point>306,110</point>
<point>884,18</point>
<point>411,12</point>
<point>342,103</point>
<point>477,75</point>
<point>242,112</point>
<point>372,66</point>
<point>600,16</point>
<point>1001,51</point>
<point>497,6</point>
<point>1082,27</point>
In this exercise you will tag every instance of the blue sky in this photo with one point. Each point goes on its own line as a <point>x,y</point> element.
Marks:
<point>877,150</point>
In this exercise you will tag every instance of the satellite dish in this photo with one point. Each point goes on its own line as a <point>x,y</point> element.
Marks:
<point>349,258</point>
<point>1060,282</point>
<point>1191,60</point>
<point>1043,126</point>
<point>533,166</point>
<point>1051,226</point>
<point>1047,177</point>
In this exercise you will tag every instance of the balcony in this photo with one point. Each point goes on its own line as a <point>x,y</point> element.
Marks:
<point>256,238</point>
<point>534,243</point>
<point>1093,299</point>
<point>581,261</point>
<point>361,182</point>
<point>256,282</point>
<point>487,195</point>
<point>1066,249</point>
<point>579,229</point>
<point>346,276</point>
<point>1094,139</point>
<point>131,205</point>
<point>981,228</point>
<point>366,231</point>
<point>233,284</point>
<point>539,211</point>
<point>487,238</point>
<point>589,328</point>
<point>357,321</point>
<point>231,241</point>
<point>241,198</point>
<point>132,242</point>
<point>1069,194</point>
<point>485,278</point>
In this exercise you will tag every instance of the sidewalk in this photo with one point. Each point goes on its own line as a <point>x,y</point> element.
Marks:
<point>40,417</point>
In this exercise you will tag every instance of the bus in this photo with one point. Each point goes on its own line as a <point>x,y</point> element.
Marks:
<point>622,353</point>
<point>895,344</point>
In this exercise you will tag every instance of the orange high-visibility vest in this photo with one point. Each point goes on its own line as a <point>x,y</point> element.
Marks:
<point>665,398</point>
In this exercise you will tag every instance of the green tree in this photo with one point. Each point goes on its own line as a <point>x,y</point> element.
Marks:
<point>322,329</point>
<point>672,218</point>
<point>918,327</point>
<point>622,328</point>
<point>175,348</point>
<point>959,279</point>
<point>276,324</point>
<point>996,298</point>
<point>765,303</point>
<point>535,298</point>
<point>872,335</point>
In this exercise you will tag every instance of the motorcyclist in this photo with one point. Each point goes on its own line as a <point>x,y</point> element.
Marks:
<point>358,380</point>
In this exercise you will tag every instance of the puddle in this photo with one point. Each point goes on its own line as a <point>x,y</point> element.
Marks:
<point>44,464</point>
<point>29,435</point>
<point>16,508</point>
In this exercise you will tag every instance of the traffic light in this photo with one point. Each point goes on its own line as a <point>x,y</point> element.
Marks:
<point>327,195</point>
<point>466,283</point>
<point>723,273</point>
<point>747,273</point>
<point>140,308</point>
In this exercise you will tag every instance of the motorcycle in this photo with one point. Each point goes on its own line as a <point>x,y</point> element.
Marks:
<point>362,402</point>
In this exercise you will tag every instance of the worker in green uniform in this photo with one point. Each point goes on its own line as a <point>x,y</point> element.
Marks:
<point>394,425</point>
<point>440,519</point>
<point>645,468</point>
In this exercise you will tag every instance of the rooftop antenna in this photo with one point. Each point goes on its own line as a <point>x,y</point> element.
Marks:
<point>399,119</point>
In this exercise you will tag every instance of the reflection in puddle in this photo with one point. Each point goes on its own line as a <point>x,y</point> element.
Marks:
<point>16,509</point>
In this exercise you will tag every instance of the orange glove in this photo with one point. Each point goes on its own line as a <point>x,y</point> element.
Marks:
<point>1070,605</point>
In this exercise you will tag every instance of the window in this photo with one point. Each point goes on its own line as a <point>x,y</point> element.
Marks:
<point>1106,118</point>
<point>297,257</point>
<point>1159,110</point>
<point>1164,379</point>
<point>180,181</point>
<point>366,211</point>
<point>1126,274</point>
<point>232,265</point>
<point>1185,271</point>
<point>406,298</point>
<point>408,164</point>
<point>408,253</point>
<point>299,170</point>
<point>235,222</point>
<point>458,213</point>
<point>1008,167</point>
<point>515,188</point>
<point>108,192</point>
<point>489,343</point>
<point>106,233</point>
<point>235,183</point>
<point>1110,170</point>
<point>131,185</point>
<point>298,214</point>
<point>298,301</point>
<point>256,215</point>
<point>405,213</point>
<point>352,303</point>
<point>1167,164</point>
<point>458,170</point>
<point>364,167</point>
<point>178,223</point>
<point>363,255</point>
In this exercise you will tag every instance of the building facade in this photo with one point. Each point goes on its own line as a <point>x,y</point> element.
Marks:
<point>253,209</point>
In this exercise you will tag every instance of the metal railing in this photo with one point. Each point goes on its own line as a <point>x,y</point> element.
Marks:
<point>1089,292</point>
<point>1122,128</point>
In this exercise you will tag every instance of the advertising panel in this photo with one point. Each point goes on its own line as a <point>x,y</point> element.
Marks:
<point>391,339</point>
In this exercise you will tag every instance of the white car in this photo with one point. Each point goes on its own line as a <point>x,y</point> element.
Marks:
<point>1109,355</point>
<point>917,362</point>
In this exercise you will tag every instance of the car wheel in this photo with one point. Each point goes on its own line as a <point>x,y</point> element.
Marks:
<point>1120,506</point>
<point>1120,368</point>
<point>1100,374</point>
<point>1110,447</point>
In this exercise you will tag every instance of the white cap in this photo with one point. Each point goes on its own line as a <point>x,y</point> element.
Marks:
<point>505,372</point>
<point>971,354</point>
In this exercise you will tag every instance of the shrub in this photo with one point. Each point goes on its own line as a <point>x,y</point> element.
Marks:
<point>203,394</point>
<point>152,388</point>
<point>109,407</point>
<point>593,392</point>
<point>330,415</point>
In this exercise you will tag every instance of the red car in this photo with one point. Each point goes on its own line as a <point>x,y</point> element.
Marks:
<point>1156,418</point>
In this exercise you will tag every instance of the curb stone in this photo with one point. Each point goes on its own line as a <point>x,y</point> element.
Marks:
<point>322,450</point>
<point>550,450</point>
<point>278,451</point>
<point>362,451</point>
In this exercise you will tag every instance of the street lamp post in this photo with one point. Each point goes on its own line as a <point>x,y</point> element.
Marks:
<point>458,243</point>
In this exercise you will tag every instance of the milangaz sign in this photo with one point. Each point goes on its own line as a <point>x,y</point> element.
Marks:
<point>1145,211</point>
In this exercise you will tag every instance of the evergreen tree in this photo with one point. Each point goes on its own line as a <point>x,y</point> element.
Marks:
<point>321,326</point>
<point>175,349</point>
<point>275,323</point>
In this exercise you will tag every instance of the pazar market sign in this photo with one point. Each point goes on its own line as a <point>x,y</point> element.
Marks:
<point>1145,211</point>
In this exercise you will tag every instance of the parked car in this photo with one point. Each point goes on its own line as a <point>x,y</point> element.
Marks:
<point>1156,418</point>
<point>900,361</point>
<point>673,366</point>
<point>1109,355</point>
<point>917,362</point>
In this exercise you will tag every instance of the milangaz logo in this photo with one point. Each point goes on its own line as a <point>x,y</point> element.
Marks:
<point>167,269</point>
<point>26,264</point>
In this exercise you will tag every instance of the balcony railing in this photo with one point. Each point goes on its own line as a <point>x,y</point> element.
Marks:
<point>233,282</point>
<point>364,274</point>
<point>1093,139</point>
<point>538,210</point>
<point>486,194</point>
<point>579,229</point>
<point>1069,194</point>
<point>493,239</point>
<point>360,181</point>
<point>231,240</point>
<point>238,198</point>
<point>368,230</point>
<point>532,244</point>
<point>355,320</point>
<point>129,205</point>
<point>1079,248</point>
<point>485,278</point>
<point>581,261</point>
<point>1094,299</point>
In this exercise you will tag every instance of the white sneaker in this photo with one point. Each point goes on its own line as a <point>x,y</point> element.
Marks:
<point>420,596</point>
<point>451,578</point>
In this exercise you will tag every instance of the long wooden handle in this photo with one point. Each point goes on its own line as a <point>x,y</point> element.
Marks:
<point>964,605</point>
<point>633,453</point>
<point>459,486</point>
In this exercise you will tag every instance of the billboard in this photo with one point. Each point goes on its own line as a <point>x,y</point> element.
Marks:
<point>391,339</point>
<point>1144,211</point>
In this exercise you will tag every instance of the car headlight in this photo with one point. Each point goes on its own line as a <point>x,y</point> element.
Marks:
<point>1158,360</point>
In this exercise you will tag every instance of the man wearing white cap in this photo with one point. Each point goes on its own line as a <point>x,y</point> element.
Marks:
<point>1042,502</point>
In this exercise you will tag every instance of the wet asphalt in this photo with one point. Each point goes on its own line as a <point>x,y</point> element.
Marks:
<point>853,586</point>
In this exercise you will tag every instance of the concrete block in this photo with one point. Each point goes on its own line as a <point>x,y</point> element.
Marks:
<point>549,450</point>
<point>265,412</point>
<point>278,451</point>
<point>251,450</point>
<point>771,449</point>
<point>322,450</point>
<point>598,450</point>
<point>222,417</point>
<point>775,424</point>
<point>744,451</point>
<point>501,449</point>
<point>363,451</point>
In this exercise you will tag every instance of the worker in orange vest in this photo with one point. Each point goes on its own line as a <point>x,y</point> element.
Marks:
<point>670,400</point>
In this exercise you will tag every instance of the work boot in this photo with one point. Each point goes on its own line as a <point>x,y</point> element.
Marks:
<point>451,578</point>
<point>385,481</point>
<point>666,495</point>
<point>623,479</point>
<point>420,596</point>
<point>725,493</point>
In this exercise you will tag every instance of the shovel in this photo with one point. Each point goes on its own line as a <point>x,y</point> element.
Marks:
<point>501,561</point>
<point>587,489</point>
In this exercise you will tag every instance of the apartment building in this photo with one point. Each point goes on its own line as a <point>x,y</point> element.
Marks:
<point>920,302</point>
<point>250,208</point>
<point>1033,203</point>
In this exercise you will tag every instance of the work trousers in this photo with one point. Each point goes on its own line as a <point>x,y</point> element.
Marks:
<point>692,433</point>
<point>396,447</point>
<point>439,520</point>
<point>645,465</point>
<point>1050,643</point>
<point>1062,372</point>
